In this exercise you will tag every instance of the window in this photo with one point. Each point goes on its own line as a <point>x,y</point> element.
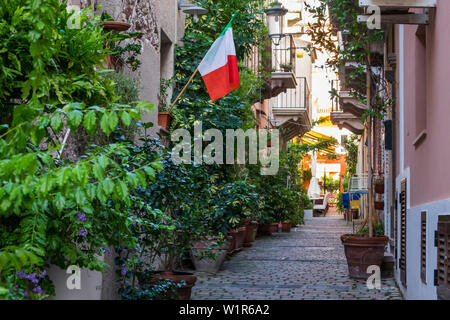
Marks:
<point>443,255</point>
<point>423,247</point>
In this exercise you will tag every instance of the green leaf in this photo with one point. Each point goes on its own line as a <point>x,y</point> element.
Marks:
<point>90,122</point>
<point>103,161</point>
<point>59,202</point>
<point>56,122</point>
<point>108,186</point>
<point>126,118</point>
<point>74,119</point>
<point>80,197</point>
<point>104,124</point>
<point>150,172</point>
<point>113,120</point>
<point>157,165</point>
<point>98,171</point>
<point>121,190</point>
<point>132,179</point>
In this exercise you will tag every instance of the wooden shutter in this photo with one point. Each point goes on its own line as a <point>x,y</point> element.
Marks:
<point>403,232</point>
<point>423,247</point>
<point>443,254</point>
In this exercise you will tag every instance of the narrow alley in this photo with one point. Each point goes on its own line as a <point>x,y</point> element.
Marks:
<point>307,263</point>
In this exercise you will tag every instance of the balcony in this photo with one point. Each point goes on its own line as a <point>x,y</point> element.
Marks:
<point>398,11</point>
<point>276,65</point>
<point>346,118</point>
<point>283,66</point>
<point>350,104</point>
<point>291,110</point>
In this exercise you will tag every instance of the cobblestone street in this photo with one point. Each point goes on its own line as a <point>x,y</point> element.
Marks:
<point>307,263</point>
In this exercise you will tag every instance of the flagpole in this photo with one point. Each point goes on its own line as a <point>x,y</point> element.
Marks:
<point>182,91</point>
<point>196,70</point>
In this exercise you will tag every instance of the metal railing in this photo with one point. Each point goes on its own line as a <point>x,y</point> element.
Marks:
<point>298,98</point>
<point>283,55</point>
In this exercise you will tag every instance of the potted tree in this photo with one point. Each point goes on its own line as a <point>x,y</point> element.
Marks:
<point>362,250</point>
<point>165,116</point>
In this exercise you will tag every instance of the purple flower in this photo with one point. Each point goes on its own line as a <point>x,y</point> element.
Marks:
<point>124,271</point>
<point>107,251</point>
<point>81,217</point>
<point>139,259</point>
<point>83,233</point>
<point>37,290</point>
<point>43,274</point>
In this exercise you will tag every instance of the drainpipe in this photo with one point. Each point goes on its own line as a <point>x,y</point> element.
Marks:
<point>394,141</point>
<point>369,151</point>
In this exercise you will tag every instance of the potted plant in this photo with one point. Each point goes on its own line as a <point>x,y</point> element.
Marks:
<point>120,55</point>
<point>286,226</point>
<point>379,185</point>
<point>250,234</point>
<point>165,116</point>
<point>286,67</point>
<point>209,254</point>
<point>362,250</point>
<point>307,205</point>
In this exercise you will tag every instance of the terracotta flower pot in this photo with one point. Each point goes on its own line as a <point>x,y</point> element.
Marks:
<point>209,246</point>
<point>233,234</point>
<point>184,293</point>
<point>379,188</point>
<point>250,228</point>
<point>165,120</point>
<point>286,227</point>
<point>379,205</point>
<point>240,238</point>
<point>362,252</point>
<point>115,25</point>
<point>274,227</point>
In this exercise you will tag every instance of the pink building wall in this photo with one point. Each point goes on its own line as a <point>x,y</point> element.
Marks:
<point>427,106</point>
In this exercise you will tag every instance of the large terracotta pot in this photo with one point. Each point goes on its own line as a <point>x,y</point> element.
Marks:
<point>286,227</point>
<point>165,120</point>
<point>184,293</point>
<point>274,227</point>
<point>362,252</point>
<point>250,228</point>
<point>209,246</point>
<point>233,234</point>
<point>240,238</point>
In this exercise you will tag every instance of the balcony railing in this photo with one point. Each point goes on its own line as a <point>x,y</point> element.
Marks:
<point>283,55</point>
<point>298,98</point>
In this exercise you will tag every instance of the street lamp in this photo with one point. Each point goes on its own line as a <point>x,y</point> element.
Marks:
<point>193,9</point>
<point>275,22</point>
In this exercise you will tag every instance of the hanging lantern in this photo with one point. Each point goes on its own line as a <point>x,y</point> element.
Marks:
<point>275,22</point>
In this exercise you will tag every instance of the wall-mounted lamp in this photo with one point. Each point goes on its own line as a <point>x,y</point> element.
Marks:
<point>275,22</point>
<point>193,9</point>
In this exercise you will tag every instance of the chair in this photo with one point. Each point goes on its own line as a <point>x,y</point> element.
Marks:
<point>321,205</point>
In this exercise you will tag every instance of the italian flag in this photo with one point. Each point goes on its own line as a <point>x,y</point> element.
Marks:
<point>219,68</point>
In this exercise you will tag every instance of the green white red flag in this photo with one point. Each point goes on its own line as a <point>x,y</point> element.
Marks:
<point>219,68</point>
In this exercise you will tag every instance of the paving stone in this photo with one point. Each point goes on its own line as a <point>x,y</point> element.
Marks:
<point>306,264</point>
